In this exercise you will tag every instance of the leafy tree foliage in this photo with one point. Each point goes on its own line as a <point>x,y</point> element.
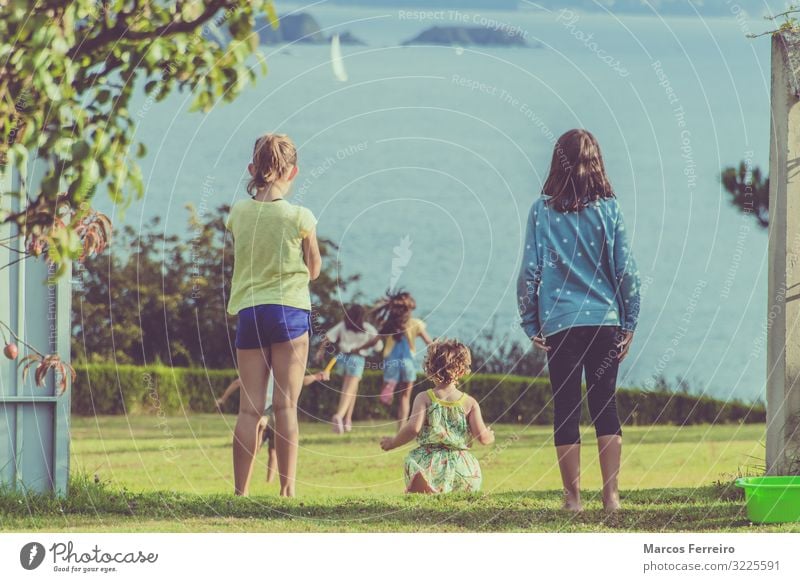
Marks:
<point>67,74</point>
<point>162,298</point>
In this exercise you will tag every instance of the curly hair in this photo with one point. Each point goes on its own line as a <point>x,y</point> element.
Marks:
<point>447,360</point>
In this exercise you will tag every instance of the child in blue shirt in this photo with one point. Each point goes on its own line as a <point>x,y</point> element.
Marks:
<point>578,291</point>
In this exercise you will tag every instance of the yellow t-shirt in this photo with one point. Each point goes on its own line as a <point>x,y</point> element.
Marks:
<point>413,331</point>
<point>268,264</point>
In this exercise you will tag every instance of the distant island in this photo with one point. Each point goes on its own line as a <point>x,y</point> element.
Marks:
<point>301,28</point>
<point>469,35</point>
<point>755,8</point>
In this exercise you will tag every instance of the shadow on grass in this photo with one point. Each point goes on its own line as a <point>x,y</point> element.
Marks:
<point>712,508</point>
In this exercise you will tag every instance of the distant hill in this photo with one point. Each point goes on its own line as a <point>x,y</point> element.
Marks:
<point>301,28</point>
<point>664,7</point>
<point>468,35</point>
<point>436,4</point>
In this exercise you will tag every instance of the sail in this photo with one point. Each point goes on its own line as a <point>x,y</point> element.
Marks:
<point>336,59</point>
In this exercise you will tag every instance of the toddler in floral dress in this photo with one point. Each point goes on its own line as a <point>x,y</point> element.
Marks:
<point>444,421</point>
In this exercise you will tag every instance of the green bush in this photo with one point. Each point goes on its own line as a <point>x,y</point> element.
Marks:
<point>109,389</point>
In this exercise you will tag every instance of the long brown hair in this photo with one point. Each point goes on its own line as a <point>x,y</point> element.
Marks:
<point>577,173</point>
<point>273,155</point>
<point>393,313</point>
<point>354,317</point>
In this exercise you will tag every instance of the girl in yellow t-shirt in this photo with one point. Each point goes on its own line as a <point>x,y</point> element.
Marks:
<point>275,256</point>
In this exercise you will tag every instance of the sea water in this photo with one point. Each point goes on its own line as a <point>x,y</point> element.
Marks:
<point>423,166</point>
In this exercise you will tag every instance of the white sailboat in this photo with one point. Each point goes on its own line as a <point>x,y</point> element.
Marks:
<point>336,59</point>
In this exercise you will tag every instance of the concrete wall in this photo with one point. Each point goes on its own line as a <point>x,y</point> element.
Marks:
<point>783,344</point>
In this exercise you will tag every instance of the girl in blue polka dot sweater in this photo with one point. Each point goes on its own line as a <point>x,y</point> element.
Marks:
<point>578,292</point>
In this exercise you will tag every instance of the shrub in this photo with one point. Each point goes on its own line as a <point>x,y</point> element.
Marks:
<point>109,389</point>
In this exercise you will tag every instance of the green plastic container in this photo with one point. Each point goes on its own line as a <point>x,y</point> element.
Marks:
<point>771,499</point>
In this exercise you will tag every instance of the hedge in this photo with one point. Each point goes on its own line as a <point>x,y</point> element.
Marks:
<point>110,389</point>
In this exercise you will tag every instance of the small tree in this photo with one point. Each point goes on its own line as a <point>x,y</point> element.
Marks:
<point>749,191</point>
<point>67,74</point>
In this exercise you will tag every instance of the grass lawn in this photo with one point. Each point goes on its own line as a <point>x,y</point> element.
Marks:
<point>174,474</point>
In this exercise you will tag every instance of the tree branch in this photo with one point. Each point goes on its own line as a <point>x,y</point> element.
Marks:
<point>121,30</point>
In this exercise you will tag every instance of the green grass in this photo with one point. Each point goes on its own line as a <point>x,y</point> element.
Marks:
<point>174,474</point>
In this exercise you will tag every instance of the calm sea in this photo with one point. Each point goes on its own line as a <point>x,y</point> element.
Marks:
<point>423,165</point>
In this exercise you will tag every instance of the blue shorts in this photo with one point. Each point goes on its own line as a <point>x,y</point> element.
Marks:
<point>263,325</point>
<point>350,365</point>
<point>399,370</point>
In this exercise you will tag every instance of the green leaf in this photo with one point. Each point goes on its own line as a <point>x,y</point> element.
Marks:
<point>80,150</point>
<point>50,185</point>
<point>272,15</point>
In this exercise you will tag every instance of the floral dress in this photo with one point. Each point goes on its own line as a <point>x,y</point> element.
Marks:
<point>443,457</point>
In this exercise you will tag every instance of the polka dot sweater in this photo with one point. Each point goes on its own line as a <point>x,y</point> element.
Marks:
<point>577,270</point>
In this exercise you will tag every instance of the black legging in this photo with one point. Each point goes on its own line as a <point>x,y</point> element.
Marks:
<point>591,349</point>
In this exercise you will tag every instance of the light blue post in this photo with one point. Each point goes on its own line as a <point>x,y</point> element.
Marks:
<point>34,421</point>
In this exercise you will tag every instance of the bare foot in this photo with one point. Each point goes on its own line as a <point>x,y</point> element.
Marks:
<point>572,503</point>
<point>338,427</point>
<point>348,426</point>
<point>611,503</point>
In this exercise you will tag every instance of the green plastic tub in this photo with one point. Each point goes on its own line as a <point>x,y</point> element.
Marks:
<point>771,499</point>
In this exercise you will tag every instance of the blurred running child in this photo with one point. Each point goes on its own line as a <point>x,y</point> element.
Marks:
<point>346,337</point>
<point>400,330</point>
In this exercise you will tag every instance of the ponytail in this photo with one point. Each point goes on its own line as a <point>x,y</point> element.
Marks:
<point>273,155</point>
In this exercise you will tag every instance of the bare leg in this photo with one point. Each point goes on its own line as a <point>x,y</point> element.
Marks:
<point>387,392</point>
<point>272,464</point>
<point>405,402</point>
<point>289,365</point>
<point>419,485</point>
<point>346,400</point>
<point>254,372</point>
<point>348,417</point>
<point>569,462</point>
<point>610,449</point>
<point>262,426</point>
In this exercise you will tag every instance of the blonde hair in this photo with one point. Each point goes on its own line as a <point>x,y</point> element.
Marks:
<point>447,360</point>
<point>273,155</point>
